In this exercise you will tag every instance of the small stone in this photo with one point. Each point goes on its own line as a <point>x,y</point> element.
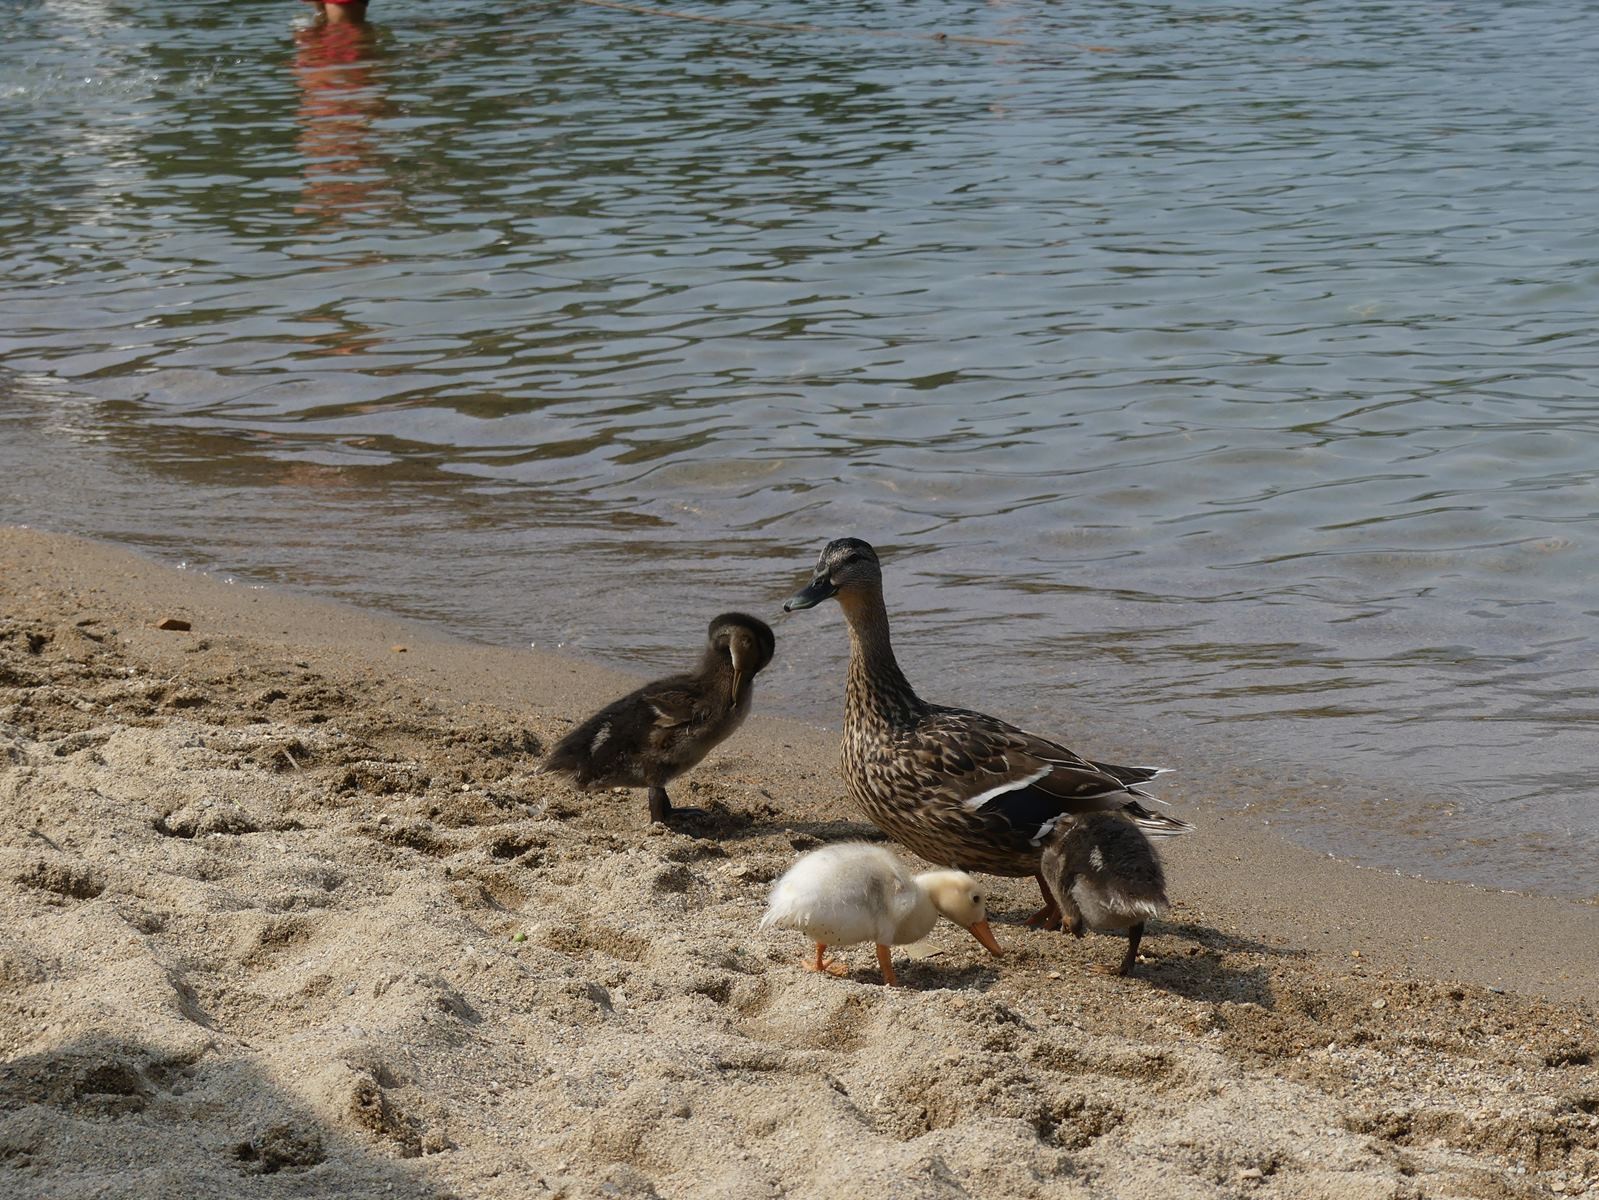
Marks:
<point>1054,975</point>
<point>398,649</point>
<point>177,624</point>
<point>1251,1173</point>
<point>1354,954</point>
<point>1379,1003</point>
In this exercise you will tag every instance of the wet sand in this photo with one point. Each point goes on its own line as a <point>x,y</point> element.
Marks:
<point>283,899</point>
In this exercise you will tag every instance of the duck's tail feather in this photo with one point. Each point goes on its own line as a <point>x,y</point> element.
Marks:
<point>1135,905</point>
<point>1153,823</point>
<point>1110,902</point>
<point>1130,775</point>
<point>567,761</point>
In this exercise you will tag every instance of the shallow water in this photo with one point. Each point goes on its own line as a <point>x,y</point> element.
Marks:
<point>1214,377</point>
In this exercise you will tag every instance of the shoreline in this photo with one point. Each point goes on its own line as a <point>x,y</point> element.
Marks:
<point>276,828</point>
<point>554,684</point>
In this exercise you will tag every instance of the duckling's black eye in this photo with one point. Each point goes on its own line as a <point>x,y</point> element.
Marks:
<point>976,899</point>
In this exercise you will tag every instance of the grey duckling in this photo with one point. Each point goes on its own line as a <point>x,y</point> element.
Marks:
<point>651,736</point>
<point>960,788</point>
<point>1105,875</point>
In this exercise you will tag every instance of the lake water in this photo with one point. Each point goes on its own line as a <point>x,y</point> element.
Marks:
<point>1216,378</point>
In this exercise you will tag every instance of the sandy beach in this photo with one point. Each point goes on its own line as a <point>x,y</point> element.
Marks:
<point>287,909</point>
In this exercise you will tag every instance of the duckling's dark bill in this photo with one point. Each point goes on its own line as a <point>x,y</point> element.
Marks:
<point>820,588</point>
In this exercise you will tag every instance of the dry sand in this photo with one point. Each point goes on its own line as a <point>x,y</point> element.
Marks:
<point>264,883</point>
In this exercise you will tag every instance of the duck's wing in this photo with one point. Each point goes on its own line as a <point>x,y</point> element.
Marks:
<point>670,703</point>
<point>986,765</point>
<point>640,721</point>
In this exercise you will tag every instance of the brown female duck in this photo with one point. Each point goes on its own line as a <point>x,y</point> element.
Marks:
<point>649,737</point>
<point>960,788</point>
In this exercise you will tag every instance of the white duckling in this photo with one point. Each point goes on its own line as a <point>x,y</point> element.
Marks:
<point>855,892</point>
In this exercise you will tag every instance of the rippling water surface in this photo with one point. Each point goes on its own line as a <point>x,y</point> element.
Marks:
<point>1217,377</point>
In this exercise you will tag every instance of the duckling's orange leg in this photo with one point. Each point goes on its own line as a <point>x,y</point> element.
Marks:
<point>885,959</point>
<point>837,970</point>
<point>1047,917</point>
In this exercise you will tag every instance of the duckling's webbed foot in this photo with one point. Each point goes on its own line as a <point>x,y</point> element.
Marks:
<point>836,969</point>
<point>663,810</point>
<point>1129,960</point>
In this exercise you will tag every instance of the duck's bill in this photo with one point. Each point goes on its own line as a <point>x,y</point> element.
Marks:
<point>821,588</point>
<point>734,653</point>
<point>985,935</point>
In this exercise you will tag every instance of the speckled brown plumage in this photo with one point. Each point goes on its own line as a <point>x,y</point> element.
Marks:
<point>960,788</point>
<point>650,736</point>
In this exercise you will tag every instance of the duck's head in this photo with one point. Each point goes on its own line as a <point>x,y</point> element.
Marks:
<point>960,898</point>
<point>746,642</point>
<point>844,563</point>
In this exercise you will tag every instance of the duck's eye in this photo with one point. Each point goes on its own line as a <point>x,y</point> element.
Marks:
<point>976,899</point>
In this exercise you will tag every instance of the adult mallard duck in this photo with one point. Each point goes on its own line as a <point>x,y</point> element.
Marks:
<point>1104,874</point>
<point>960,788</point>
<point>853,892</point>
<point>649,737</point>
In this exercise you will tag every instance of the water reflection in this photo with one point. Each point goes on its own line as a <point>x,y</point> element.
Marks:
<point>340,96</point>
<point>344,182</point>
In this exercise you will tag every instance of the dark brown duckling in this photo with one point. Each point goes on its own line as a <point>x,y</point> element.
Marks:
<point>1105,875</point>
<point>649,737</point>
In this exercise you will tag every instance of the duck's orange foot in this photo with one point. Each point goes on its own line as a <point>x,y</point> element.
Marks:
<point>1047,917</point>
